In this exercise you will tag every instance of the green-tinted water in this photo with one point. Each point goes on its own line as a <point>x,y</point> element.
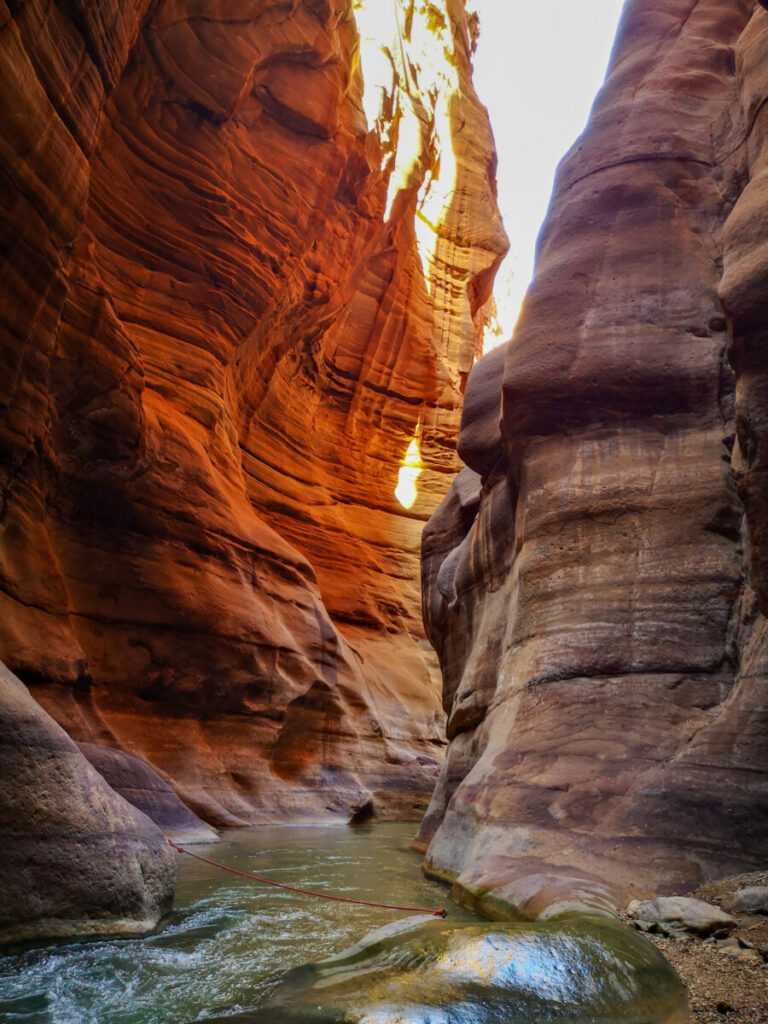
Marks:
<point>227,938</point>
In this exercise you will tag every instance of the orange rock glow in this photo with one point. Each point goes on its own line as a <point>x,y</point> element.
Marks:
<point>230,301</point>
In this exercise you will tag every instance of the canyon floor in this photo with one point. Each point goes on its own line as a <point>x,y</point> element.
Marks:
<point>722,987</point>
<point>713,978</point>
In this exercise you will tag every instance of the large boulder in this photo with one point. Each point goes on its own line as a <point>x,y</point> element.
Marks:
<point>668,914</point>
<point>141,786</point>
<point>419,971</point>
<point>77,859</point>
<point>752,899</point>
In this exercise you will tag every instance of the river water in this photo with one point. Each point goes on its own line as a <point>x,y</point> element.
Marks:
<point>227,939</point>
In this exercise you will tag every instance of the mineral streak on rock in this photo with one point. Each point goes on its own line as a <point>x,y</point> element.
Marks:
<point>228,313</point>
<point>592,587</point>
<point>77,858</point>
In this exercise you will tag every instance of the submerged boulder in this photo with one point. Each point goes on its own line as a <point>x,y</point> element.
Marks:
<point>78,860</point>
<point>426,971</point>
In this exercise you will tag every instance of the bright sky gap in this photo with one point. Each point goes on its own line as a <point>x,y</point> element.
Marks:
<point>538,68</point>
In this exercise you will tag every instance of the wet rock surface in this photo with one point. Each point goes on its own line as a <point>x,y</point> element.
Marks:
<point>77,859</point>
<point>418,971</point>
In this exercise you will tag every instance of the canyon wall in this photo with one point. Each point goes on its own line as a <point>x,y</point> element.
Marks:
<point>595,580</point>
<point>234,308</point>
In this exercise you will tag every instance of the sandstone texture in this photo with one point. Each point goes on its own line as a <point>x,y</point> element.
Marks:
<point>77,860</point>
<point>137,783</point>
<point>245,276</point>
<point>595,580</point>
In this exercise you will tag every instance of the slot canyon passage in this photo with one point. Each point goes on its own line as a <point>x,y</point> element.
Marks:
<point>279,545</point>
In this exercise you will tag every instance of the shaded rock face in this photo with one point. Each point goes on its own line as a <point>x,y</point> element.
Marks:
<point>222,334</point>
<point>137,783</point>
<point>77,859</point>
<point>592,584</point>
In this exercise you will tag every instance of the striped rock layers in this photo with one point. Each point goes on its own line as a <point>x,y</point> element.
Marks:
<point>231,307</point>
<point>595,580</point>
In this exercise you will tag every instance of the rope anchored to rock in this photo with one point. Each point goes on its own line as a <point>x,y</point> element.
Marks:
<point>307,892</point>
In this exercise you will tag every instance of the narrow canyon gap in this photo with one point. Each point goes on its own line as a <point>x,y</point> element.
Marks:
<point>245,281</point>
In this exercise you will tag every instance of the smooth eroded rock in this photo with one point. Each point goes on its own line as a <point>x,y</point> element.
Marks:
<point>77,859</point>
<point>600,619</point>
<point>232,303</point>
<point>422,972</point>
<point>137,783</point>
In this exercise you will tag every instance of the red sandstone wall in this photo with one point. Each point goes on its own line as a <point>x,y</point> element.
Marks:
<point>220,336</point>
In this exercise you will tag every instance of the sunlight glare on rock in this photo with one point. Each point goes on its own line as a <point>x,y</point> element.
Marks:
<point>537,69</point>
<point>409,104</point>
<point>406,491</point>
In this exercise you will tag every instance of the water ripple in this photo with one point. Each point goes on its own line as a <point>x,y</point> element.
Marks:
<point>226,941</point>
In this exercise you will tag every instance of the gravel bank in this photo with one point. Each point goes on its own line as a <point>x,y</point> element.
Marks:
<point>723,987</point>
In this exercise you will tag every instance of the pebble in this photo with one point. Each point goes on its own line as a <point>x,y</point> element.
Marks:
<point>719,985</point>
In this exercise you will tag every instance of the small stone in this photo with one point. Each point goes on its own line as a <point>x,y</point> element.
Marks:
<point>724,1007</point>
<point>750,956</point>
<point>744,942</point>
<point>680,913</point>
<point>751,900</point>
<point>646,926</point>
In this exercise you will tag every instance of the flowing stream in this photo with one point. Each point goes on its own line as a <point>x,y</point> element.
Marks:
<point>228,938</point>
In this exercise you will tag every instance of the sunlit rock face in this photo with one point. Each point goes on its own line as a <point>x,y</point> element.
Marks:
<point>232,305</point>
<point>592,586</point>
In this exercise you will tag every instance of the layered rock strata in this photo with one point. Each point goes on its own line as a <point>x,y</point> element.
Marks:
<point>231,307</point>
<point>76,858</point>
<point>591,582</point>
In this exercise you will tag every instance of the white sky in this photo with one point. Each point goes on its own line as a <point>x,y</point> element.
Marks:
<point>538,67</point>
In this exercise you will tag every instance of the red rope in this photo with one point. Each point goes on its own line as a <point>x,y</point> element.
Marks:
<point>307,892</point>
